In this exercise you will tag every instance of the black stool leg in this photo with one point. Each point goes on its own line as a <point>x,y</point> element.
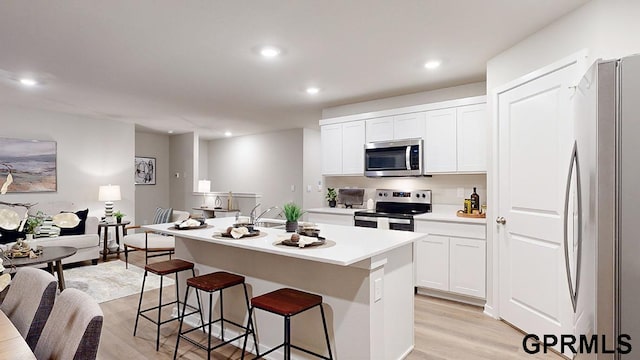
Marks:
<point>184,309</point>
<point>209,338</point>
<point>221,317</point>
<point>249,324</point>
<point>135,328</point>
<point>193,272</point>
<point>287,338</point>
<point>326,333</point>
<point>159,316</point>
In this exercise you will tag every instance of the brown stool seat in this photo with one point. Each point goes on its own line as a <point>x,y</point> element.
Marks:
<point>286,301</point>
<point>169,267</point>
<point>215,281</point>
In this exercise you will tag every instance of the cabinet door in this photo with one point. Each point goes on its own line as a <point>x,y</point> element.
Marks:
<point>331,143</point>
<point>380,129</point>
<point>408,126</point>
<point>472,135</point>
<point>432,262</point>
<point>353,148</point>
<point>334,219</point>
<point>467,266</point>
<point>440,141</point>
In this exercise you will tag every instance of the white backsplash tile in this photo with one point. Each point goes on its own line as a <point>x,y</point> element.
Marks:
<point>444,188</point>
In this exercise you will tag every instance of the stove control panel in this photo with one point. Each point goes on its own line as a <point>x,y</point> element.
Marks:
<point>404,196</point>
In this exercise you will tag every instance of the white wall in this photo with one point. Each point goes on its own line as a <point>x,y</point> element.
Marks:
<point>149,197</point>
<point>425,97</point>
<point>183,150</point>
<point>267,164</point>
<point>312,170</point>
<point>90,153</point>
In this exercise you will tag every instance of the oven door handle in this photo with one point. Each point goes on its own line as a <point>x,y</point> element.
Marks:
<point>407,157</point>
<point>399,221</point>
<point>365,218</point>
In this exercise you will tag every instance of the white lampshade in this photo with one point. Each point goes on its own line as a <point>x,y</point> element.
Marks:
<point>109,193</point>
<point>204,186</point>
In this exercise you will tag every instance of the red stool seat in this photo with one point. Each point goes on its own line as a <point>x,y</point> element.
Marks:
<point>215,281</point>
<point>286,302</point>
<point>169,267</point>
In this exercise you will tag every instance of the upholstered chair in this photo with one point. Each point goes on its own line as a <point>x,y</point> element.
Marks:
<point>29,302</point>
<point>152,242</point>
<point>73,329</point>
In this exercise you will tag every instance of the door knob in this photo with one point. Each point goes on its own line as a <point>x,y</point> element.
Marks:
<point>501,220</point>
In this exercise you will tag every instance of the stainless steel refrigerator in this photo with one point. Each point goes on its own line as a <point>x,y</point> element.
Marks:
<point>602,212</point>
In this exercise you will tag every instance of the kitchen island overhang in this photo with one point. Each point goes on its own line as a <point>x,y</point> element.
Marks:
<point>365,278</point>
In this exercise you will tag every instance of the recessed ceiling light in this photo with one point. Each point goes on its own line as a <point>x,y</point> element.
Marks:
<point>312,90</point>
<point>227,133</point>
<point>28,82</point>
<point>432,64</point>
<point>170,131</point>
<point>270,51</point>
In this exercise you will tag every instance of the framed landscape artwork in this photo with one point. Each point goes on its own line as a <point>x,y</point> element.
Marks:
<point>145,173</point>
<point>32,164</point>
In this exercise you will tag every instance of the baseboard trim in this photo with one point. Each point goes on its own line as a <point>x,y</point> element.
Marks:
<point>451,296</point>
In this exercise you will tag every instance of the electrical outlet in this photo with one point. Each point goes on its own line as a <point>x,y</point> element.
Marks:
<point>293,188</point>
<point>461,192</point>
<point>377,289</point>
<point>308,188</point>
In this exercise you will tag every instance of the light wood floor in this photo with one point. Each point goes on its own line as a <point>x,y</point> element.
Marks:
<point>443,330</point>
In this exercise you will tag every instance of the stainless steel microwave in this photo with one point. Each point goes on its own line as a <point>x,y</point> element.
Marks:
<point>393,158</point>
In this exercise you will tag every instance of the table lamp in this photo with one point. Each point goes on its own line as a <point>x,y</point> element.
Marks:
<point>109,194</point>
<point>204,187</point>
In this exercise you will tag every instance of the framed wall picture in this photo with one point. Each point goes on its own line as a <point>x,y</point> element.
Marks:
<point>145,172</point>
<point>32,164</point>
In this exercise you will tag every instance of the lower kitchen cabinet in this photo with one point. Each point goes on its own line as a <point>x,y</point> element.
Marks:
<point>452,258</point>
<point>327,218</point>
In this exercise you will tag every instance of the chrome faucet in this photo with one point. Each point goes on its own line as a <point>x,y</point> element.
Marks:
<point>253,219</point>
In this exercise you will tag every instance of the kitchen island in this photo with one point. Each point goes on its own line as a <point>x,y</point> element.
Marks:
<point>365,277</point>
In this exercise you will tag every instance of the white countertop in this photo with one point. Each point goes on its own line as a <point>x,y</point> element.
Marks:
<point>352,244</point>
<point>447,213</point>
<point>335,210</point>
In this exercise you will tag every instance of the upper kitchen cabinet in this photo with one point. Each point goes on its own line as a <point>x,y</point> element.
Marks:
<point>404,126</point>
<point>455,140</point>
<point>343,148</point>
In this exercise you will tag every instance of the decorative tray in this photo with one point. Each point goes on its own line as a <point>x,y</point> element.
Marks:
<point>255,232</point>
<point>14,254</point>
<point>461,213</point>
<point>288,242</point>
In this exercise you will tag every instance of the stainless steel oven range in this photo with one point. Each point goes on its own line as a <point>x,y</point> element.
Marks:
<point>395,209</point>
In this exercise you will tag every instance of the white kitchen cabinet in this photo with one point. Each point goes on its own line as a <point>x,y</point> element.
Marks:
<point>353,138</point>
<point>408,126</point>
<point>440,141</point>
<point>343,148</point>
<point>331,144</point>
<point>472,138</point>
<point>452,258</point>
<point>467,279</point>
<point>380,129</point>
<point>432,269</point>
<point>455,140</point>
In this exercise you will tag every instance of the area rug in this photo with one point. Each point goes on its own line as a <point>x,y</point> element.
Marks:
<point>111,280</point>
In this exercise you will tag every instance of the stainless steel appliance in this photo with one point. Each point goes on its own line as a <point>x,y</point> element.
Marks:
<point>602,251</point>
<point>395,209</point>
<point>393,158</point>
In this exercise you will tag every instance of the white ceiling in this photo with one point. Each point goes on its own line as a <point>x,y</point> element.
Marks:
<point>191,65</point>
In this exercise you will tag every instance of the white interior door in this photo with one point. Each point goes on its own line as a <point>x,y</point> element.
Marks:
<point>534,148</point>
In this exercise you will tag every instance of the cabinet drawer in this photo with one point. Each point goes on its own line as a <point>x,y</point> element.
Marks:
<point>473,231</point>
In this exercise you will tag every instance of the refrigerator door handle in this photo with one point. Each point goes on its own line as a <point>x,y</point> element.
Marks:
<point>574,163</point>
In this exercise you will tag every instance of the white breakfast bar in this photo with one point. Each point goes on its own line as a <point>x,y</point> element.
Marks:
<point>365,277</point>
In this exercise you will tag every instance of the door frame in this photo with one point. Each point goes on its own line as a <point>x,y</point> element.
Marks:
<point>581,60</point>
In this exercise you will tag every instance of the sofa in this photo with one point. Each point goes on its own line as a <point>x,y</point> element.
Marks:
<point>88,244</point>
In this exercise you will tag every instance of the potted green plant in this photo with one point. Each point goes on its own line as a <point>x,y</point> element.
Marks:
<point>331,196</point>
<point>292,213</point>
<point>118,215</point>
<point>32,223</point>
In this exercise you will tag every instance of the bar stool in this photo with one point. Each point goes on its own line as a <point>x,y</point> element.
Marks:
<point>161,269</point>
<point>211,283</point>
<point>289,302</point>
